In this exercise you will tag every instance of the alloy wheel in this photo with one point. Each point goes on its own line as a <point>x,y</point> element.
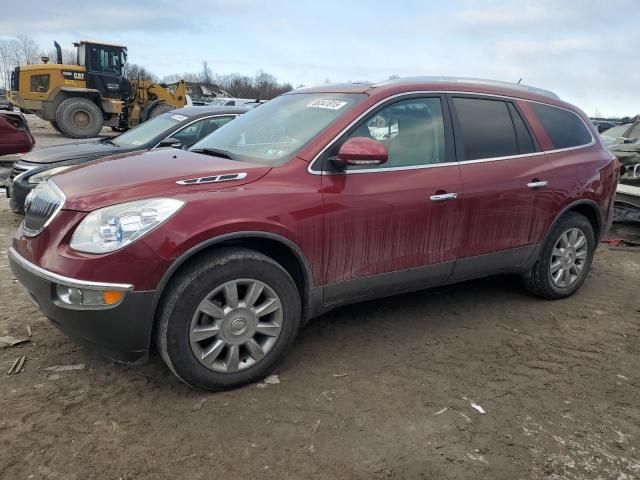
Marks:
<point>236,325</point>
<point>568,258</point>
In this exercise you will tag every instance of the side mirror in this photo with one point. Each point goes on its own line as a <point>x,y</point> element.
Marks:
<point>361,151</point>
<point>170,142</point>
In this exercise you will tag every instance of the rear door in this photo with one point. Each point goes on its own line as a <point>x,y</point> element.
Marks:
<point>394,226</point>
<point>503,176</point>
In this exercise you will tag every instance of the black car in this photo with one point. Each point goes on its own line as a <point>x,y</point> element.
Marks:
<point>603,125</point>
<point>178,128</point>
<point>4,103</point>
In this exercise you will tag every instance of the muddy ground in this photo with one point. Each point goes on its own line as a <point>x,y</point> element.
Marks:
<point>360,395</point>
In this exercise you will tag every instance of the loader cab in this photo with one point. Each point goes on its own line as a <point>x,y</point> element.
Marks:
<point>104,65</point>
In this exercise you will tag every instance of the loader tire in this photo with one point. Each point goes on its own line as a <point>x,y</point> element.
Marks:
<point>55,126</point>
<point>159,109</point>
<point>79,118</point>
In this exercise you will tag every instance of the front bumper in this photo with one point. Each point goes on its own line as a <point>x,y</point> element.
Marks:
<point>122,332</point>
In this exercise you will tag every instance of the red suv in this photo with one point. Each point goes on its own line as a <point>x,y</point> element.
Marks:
<point>322,197</point>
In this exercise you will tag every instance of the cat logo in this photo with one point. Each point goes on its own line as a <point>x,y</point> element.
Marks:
<point>68,75</point>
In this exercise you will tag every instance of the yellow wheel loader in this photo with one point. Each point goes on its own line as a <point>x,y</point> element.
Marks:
<point>80,99</point>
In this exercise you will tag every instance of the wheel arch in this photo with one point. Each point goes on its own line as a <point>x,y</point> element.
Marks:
<point>65,93</point>
<point>278,248</point>
<point>587,208</point>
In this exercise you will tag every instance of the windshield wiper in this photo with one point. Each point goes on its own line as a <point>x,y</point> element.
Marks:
<point>216,152</point>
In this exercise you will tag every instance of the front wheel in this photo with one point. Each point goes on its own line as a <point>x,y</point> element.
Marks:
<point>228,319</point>
<point>565,259</point>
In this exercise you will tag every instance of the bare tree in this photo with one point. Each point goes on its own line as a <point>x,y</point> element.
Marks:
<point>6,63</point>
<point>139,72</point>
<point>206,74</point>
<point>26,50</point>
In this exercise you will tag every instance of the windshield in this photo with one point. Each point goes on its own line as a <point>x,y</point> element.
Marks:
<point>147,131</point>
<point>271,134</point>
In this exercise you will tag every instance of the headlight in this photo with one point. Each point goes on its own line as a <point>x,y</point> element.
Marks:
<point>111,228</point>
<point>43,176</point>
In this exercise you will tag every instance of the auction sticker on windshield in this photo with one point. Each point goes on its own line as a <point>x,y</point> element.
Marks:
<point>327,103</point>
<point>179,118</point>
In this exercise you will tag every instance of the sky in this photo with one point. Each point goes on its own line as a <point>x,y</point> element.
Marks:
<point>586,51</point>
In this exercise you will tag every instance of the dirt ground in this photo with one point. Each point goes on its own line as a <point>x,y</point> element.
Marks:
<point>361,394</point>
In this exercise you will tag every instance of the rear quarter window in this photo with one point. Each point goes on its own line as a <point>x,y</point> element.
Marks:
<point>565,128</point>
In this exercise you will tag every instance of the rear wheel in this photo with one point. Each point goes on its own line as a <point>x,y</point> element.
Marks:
<point>79,118</point>
<point>565,259</point>
<point>228,319</point>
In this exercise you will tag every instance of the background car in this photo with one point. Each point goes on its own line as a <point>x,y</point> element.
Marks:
<point>603,125</point>
<point>178,128</point>
<point>15,136</point>
<point>4,103</point>
<point>625,133</point>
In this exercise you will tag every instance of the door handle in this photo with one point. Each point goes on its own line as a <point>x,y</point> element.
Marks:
<point>442,197</point>
<point>537,184</point>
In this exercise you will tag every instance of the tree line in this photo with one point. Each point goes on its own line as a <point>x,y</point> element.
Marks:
<point>23,50</point>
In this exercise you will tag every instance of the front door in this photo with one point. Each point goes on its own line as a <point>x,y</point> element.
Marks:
<point>395,226</point>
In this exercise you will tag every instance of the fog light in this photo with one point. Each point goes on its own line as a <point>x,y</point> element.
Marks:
<point>86,297</point>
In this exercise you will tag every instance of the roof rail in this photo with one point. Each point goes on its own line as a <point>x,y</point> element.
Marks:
<point>476,81</point>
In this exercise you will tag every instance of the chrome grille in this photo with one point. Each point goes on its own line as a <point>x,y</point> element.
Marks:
<point>41,205</point>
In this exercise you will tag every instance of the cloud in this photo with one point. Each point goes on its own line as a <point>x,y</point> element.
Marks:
<point>582,49</point>
<point>505,16</point>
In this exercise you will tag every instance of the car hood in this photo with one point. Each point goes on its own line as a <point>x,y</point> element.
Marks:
<point>149,174</point>
<point>72,151</point>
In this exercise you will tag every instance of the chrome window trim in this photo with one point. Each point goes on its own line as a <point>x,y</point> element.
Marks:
<point>63,197</point>
<point>234,115</point>
<point>61,279</point>
<point>442,164</point>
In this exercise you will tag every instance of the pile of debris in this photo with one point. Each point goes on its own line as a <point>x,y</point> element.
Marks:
<point>203,93</point>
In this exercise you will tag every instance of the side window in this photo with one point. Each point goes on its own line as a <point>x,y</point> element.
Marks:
<point>105,59</point>
<point>200,129</point>
<point>486,127</point>
<point>40,83</point>
<point>565,128</point>
<point>412,130</point>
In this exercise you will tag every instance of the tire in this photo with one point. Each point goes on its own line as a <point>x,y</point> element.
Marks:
<point>541,280</point>
<point>200,361</point>
<point>55,126</point>
<point>159,109</point>
<point>79,118</point>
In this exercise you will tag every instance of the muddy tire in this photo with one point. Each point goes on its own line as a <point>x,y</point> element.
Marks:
<point>55,126</point>
<point>79,118</point>
<point>159,109</point>
<point>227,319</point>
<point>565,259</point>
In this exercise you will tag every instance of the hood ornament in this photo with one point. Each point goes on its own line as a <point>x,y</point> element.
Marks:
<point>229,177</point>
